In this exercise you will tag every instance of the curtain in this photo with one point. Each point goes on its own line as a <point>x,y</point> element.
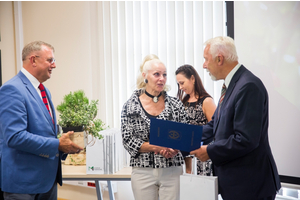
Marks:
<point>127,31</point>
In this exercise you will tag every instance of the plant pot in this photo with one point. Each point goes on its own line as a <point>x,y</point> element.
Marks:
<point>79,138</point>
<point>74,128</point>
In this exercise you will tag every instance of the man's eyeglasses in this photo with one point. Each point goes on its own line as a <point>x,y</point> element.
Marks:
<point>50,60</point>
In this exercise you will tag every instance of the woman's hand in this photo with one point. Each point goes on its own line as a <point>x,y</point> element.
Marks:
<point>164,151</point>
<point>168,152</point>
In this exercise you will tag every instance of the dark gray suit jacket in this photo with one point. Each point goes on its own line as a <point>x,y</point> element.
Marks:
<point>241,153</point>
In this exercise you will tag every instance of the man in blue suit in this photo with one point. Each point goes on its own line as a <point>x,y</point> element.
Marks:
<point>30,152</point>
<point>241,153</point>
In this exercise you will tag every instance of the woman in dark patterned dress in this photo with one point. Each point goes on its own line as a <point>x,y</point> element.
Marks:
<point>199,106</point>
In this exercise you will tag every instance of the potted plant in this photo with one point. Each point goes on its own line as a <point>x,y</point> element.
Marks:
<point>77,113</point>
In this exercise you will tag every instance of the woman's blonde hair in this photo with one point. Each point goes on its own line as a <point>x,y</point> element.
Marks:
<point>144,68</point>
<point>140,80</point>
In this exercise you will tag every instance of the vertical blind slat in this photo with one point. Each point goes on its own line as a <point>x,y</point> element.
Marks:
<point>145,29</point>
<point>114,59</point>
<point>107,61</point>
<point>122,67</point>
<point>207,34</point>
<point>179,28</point>
<point>171,46</point>
<point>137,35</point>
<point>129,47</point>
<point>153,36</point>
<point>162,32</point>
<point>101,76</point>
<point>198,37</point>
<point>188,33</point>
<point>218,28</point>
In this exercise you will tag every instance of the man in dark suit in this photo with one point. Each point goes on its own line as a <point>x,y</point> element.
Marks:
<point>29,149</point>
<point>241,153</point>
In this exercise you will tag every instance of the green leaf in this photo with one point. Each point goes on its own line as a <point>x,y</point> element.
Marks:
<point>77,110</point>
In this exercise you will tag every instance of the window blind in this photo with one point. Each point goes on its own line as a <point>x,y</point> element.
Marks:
<point>173,30</point>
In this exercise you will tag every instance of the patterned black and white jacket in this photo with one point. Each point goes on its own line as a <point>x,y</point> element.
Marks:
<point>135,127</point>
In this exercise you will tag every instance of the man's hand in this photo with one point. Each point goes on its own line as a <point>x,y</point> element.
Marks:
<point>168,152</point>
<point>66,145</point>
<point>201,153</point>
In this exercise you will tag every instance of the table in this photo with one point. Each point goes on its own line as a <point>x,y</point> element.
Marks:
<point>78,173</point>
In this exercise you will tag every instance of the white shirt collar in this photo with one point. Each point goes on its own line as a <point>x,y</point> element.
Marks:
<point>231,74</point>
<point>31,78</point>
<point>35,84</point>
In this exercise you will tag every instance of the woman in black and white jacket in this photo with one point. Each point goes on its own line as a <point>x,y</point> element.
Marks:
<point>155,169</point>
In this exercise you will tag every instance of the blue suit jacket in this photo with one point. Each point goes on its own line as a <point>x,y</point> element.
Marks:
<point>30,159</point>
<point>241,153</point>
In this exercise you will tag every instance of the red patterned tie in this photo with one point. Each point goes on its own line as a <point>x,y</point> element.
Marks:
<point>44,97</point>
<point>222,97</point>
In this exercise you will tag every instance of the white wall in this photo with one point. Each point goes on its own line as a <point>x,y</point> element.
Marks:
<point>7,42</point>
<point>267,36</point>
<point>66,26</point>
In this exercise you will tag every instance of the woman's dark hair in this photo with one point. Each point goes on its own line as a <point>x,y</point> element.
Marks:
<point>188,71</point>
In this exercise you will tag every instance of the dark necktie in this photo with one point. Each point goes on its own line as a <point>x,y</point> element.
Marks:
<point>222,97</point>
<point>44,97</point>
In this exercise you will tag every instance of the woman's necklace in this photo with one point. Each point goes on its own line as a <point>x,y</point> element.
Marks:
<point>187,105</point>
<point>154,98</point>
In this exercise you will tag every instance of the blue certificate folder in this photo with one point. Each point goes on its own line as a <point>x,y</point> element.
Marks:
<point>175,135</point>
